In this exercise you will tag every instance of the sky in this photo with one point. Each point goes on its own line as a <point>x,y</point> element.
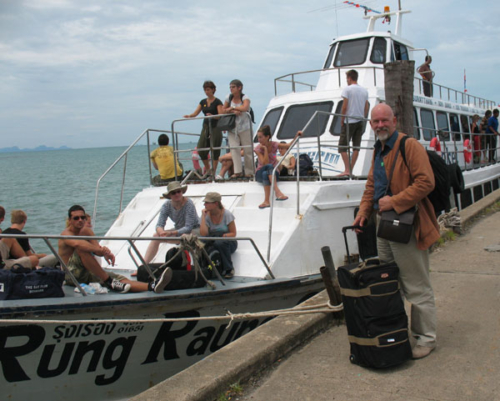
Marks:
<point>88,73</point>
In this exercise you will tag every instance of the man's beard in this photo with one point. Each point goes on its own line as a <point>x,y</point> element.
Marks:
<point>383,135</point>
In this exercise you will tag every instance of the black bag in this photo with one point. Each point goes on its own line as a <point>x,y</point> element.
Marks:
<point>375,317</point>
<point>444,177</point>
<point>227,122</point>
<point>396,227</point>
<point>22,283</point>
<point>393,226</point>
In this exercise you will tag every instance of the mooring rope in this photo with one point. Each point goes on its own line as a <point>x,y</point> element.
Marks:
<point>320,308</point>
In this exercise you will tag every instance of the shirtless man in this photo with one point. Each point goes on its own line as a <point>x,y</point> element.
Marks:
<point>78,255</point>
<point>427,74</point>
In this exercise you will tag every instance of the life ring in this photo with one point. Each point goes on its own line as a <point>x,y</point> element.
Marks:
<point>435,146</point>
<point>467,151</point>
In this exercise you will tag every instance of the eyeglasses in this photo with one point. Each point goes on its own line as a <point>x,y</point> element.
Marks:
<point>177,191</point>
<point>76,218</point>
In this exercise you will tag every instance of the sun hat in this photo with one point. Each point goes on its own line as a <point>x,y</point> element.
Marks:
<point>212,197</point>
<point>174,186</point>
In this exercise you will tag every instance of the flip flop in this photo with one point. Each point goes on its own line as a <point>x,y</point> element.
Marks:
<point>236,176</point>
<point>263,206</point>
<point>282,199</point>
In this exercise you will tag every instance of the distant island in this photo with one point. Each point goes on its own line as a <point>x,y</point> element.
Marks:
<point>40,148</point>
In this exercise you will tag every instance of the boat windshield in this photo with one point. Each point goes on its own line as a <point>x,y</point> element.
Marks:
<point>351,52</point>
<point>297,116</point>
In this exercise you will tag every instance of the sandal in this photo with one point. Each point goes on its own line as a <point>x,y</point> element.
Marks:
<point>282,198</point>
<point>236,176</point>
<point>264,206</point>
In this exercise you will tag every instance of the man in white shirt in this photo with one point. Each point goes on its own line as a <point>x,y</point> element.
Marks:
<point>355,105</point>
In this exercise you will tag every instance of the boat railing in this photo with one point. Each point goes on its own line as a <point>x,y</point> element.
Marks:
<point>291,78</point>
<point>440,92</point>
<point>211,148</point>
<point>124,157</point>
<point>454,150</point>
<point>446,94</point>
<point>131,241</point>
<point>296,142</point>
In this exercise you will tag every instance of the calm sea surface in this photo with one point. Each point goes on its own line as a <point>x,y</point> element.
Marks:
<point>46,184</point>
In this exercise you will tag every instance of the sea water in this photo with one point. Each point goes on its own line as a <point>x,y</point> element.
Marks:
<point>46,184</point>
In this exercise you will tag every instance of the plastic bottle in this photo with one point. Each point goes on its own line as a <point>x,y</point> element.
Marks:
<point>88,289</point>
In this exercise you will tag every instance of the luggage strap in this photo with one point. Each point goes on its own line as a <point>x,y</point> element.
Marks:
<point>367,292</point>
<point>374,342</point>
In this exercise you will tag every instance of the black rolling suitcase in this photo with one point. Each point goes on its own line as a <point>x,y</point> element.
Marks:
<point>377,325</point>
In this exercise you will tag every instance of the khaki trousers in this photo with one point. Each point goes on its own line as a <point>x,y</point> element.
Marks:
<point>416,285</point>
<point>237,139</point>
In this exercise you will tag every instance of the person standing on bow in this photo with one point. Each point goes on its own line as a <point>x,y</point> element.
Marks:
<point>266,153</point>
<point>239,104</point>
<point>181,210</point>
<point>211,106</point>
<point>354,104</point>
<point>411,182</point>
<point>216,221</point>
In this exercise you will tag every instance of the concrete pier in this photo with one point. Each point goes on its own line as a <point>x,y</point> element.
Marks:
<point>306,357</point>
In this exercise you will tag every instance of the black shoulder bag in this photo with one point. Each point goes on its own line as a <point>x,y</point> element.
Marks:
<point>396,227</point>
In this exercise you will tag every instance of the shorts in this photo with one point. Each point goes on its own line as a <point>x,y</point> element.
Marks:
<point>204,142</point>
<point>5,253</point>
<point>82,275</point>
<point>355,134</point>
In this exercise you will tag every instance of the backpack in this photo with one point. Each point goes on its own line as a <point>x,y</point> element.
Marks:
<point>250,110</point>
<point>440,195</point>
<point>306,165</point>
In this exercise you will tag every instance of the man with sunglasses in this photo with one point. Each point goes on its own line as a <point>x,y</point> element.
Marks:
<point>78,255</point>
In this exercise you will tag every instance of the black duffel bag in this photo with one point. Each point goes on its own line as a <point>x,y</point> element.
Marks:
<point>23,283</point>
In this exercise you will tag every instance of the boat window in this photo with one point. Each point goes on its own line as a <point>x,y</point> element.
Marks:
<point>428,122</point>
<point>272,119</point>
<point>351,52</point>
<point>442,120</point>
<point>297,116</point>
<point>328,62</point>
<point>378,51</point>
<point>335,127</point>
<point>401,52</point>
<point>416,130</point>
<point>455,127</point>
<point>465,126</point>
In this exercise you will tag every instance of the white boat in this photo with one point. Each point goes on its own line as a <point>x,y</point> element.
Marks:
<point>112,360</point>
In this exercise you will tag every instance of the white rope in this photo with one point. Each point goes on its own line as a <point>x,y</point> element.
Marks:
<point>321,308</point>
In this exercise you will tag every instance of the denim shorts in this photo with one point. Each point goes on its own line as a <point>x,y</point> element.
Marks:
<point>262,175</point>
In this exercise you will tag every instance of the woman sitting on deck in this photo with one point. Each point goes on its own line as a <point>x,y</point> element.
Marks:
<point>216,221</point>
<point>266,152</point>
<point>181,211</point>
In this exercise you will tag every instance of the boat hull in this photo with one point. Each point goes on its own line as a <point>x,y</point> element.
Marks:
<point>83,361</point>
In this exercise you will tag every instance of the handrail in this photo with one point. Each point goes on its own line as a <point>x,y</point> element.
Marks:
<point>130,240</point>
<point>217,116</point>
<point>476,100</point>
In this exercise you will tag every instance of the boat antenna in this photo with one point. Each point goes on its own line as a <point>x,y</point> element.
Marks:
<point>465,82</point>
<point>367,9</point>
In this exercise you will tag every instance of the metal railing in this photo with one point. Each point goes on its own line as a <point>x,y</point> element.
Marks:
<point>211,148</point>
<point>131,241</point>
<point>445,93</point>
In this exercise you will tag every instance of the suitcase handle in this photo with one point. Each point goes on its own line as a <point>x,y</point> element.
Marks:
<point>344,231</point>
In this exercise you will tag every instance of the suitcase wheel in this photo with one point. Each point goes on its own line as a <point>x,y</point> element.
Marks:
<point>352,358</point>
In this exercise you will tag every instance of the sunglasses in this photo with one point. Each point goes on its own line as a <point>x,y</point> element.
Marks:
<point>76,218</point>
<point>177,191</point>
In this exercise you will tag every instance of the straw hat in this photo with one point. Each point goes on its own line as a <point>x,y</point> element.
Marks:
<point>212,197</point>
<point>174,186</point>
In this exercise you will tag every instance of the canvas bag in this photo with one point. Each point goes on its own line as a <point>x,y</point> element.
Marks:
<point>393,226</point>
<point>22,283</point>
